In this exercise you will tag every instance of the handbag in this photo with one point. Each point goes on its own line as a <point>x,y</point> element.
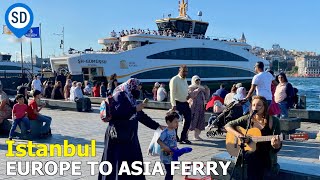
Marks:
<point>154,148</point>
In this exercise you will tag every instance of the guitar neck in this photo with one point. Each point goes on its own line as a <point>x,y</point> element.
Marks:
<point>265,138</point>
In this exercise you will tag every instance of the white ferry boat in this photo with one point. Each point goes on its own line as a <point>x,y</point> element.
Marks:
<point>156,55</point>
<point>9,68</point>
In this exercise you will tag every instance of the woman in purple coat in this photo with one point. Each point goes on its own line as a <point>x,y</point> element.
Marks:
<point>121,138</point>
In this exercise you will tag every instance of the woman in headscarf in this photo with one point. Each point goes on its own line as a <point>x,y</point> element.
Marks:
<point>240,95</point>
<point>121,138</point>
<point>198,97</point>
<point>5,109</point>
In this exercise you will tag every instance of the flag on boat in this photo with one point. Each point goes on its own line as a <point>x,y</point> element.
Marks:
<point>33,33</point>
<point>6,30</point>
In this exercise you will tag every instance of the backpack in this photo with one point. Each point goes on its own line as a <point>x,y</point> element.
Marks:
<point>106,108</point>
<point>290,95</point>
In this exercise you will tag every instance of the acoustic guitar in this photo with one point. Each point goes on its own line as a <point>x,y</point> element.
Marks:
<point>254,136</point>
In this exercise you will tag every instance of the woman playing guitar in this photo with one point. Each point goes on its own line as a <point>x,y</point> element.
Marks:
<point>264,158</point>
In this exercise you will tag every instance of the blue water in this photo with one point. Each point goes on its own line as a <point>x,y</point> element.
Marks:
<point>309,87</point>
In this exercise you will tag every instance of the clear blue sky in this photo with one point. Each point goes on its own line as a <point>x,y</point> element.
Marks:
<point>292,24</point>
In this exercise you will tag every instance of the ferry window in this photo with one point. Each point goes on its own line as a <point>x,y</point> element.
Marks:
<point>85,70</point>
<point>202,71</point>
<point>206,54</point>
<point>10,67</point>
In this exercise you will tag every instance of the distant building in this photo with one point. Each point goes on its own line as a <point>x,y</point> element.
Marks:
<point>243,38</point>
<point>276,47</point>
<point>308,66</point>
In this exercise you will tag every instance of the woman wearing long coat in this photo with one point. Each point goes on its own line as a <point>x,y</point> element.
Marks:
<point>121,138</point>
<point>198,97</point>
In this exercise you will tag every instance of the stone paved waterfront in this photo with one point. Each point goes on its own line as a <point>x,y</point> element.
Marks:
<point>81,128</point>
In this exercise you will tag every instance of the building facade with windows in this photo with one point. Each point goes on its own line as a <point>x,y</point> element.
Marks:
<point>308,66</point>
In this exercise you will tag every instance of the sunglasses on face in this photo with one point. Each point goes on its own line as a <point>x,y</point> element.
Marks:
<point>198,80</point>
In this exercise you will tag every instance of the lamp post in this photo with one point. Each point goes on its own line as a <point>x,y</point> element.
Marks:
<point>62,41</point>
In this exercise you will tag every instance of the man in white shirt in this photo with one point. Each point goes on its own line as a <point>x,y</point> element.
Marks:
<point>261,83</point>
<point>36,84</point>
<point>178,98</point>
<point>161,93</point>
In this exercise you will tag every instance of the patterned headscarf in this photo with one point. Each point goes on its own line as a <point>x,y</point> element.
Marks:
<point>127,87</point>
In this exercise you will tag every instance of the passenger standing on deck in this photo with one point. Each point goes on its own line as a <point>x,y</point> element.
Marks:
<point>179,97</point>
<point>198,97</point>
<point>261,83</point>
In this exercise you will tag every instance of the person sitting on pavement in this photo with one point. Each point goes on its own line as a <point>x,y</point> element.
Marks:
<point>72,90</point>
<point>162,94</point>
<point>19,114</point>
<point>66,89</point>
<point>34,108</point>
<point>229,97</point>
<point>96,89</point>
<point>57,91</point>
<point>48,90</point>
<point>79,98</point>
<point>87,88</point>
<point>222,92</point>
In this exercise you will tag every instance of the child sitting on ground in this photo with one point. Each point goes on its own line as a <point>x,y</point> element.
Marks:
<point>19,113</point>
<point>168,141</point>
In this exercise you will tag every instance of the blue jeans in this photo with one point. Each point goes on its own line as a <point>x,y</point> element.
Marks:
<point>284,109</point>
<point>47,120</point>
<point>25,120</point>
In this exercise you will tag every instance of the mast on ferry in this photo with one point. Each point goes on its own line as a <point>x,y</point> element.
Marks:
<point>183,8</point>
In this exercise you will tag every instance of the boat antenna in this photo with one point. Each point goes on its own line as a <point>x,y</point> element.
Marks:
<point>183,7</point>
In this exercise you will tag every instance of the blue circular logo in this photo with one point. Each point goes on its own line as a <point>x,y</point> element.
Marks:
<point>19,19</point>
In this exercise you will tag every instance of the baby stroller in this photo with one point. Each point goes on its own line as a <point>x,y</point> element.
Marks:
<point>217,121</point>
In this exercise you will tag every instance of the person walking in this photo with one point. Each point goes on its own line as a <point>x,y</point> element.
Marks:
<point>178,98</point>
<point>261,83</point>
<point>121,142</point>
<point>198,97</point>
